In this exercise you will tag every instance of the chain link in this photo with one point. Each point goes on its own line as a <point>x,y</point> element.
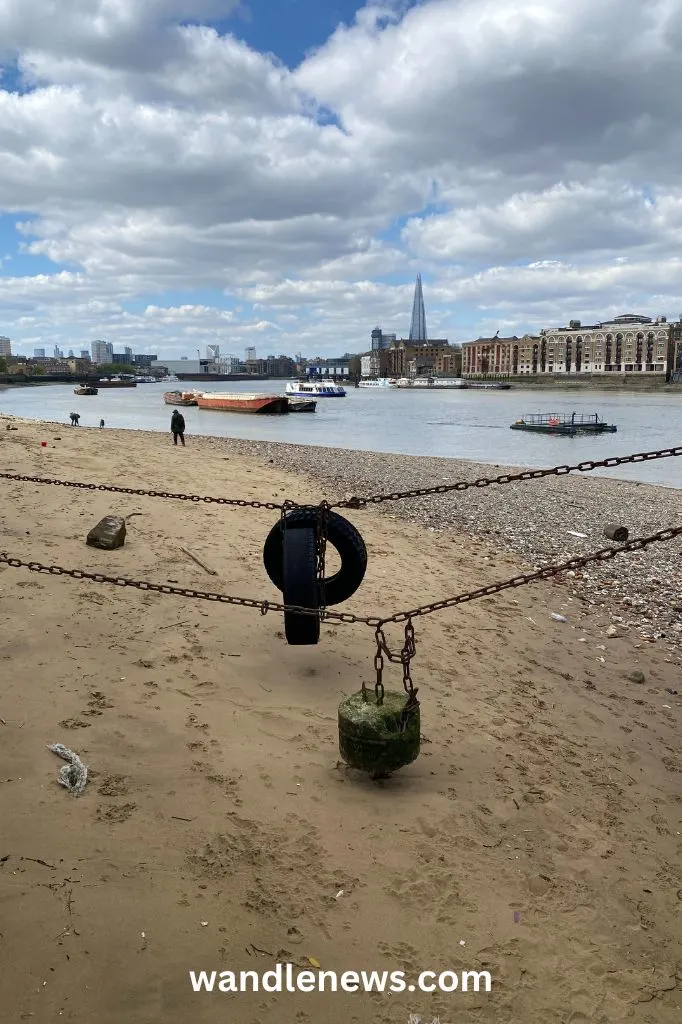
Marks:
<point>603,555</point>
<point>358,503</point>
<point>408,650</point>
<point>196,498</point>
<point>322,528</point>
<point>508,478</point>
<point>163,588</point>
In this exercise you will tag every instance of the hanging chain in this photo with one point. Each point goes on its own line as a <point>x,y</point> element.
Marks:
<point>358,503</point>
<point>379,665</point>
<point>404,657</point>
<point>196,498</point>
<point>322,528</point>
<point>508,478</point>
<point>407,653</point>
<point>604,555</point>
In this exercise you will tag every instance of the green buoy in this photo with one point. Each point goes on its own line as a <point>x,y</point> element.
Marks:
<point>370,736</point>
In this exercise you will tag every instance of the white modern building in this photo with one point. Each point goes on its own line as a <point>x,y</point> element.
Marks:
<point>102,352</point>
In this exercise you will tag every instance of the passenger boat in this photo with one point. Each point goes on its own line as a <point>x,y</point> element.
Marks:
<point>235,402</point>
<point>85,389</point>
<point>380,382</point>
<point>116,382</point>
<point>431,383</point>
<point>315,389</point>
<point>563,424</point>
<point>180,397</point>
<point>301,404</point>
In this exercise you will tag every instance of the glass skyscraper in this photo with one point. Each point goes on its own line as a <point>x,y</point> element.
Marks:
<point>418,324</point>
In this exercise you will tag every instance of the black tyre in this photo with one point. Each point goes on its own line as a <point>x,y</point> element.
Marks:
<point>341,534</point>
<point>300,585</point>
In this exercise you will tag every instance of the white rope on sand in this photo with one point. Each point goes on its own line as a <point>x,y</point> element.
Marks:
<point>73,775</point>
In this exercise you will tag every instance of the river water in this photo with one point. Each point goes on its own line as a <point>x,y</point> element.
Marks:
<point>468,424</point>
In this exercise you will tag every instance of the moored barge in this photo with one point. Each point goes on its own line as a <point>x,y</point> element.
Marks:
<point>234,402</point>
<point>564,425</point>
<point>180,397</point>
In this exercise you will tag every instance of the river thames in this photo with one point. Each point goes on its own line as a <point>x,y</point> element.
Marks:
<point>467,424</point>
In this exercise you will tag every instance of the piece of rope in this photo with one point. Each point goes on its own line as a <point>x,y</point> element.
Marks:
<point>74,775</point>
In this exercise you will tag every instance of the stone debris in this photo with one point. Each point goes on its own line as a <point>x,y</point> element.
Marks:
<point>109,533</point>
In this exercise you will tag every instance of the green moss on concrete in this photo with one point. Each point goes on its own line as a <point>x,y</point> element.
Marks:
<point>369,737</point>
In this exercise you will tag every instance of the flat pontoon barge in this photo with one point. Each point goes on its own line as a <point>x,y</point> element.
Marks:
<point>561,423</point>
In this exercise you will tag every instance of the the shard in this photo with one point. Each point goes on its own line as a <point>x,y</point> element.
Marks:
<point>418,324</point>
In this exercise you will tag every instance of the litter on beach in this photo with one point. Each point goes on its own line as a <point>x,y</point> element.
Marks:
<point>74,775</point>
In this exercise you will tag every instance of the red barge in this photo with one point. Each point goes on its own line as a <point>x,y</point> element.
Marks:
<point>264,404</point>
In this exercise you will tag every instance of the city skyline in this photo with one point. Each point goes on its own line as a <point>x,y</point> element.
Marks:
<point>269,189</point>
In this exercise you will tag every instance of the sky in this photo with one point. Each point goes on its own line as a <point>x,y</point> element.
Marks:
<point>275,173</point>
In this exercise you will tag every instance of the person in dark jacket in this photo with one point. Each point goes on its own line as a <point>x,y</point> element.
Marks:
<point>178,427</point>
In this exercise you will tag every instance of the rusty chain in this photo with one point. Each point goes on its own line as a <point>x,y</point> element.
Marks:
<point>508,478</point>
<point>358,503</point>
<point>603,555</point>
<point>322,526</point>
<point>196,498</point>
<point>408,650</point>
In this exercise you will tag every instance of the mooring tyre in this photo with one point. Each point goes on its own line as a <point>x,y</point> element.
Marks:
<point>341,534</point>
<point>299,585</point>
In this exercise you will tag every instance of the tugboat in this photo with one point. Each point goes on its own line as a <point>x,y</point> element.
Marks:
<point>564,425</point>
<point>85,389</point>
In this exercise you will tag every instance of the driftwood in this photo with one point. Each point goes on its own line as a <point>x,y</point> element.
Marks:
<point>203,565</point>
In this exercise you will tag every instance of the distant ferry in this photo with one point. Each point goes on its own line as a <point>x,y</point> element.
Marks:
<point>116,382</point>
<point>315,389</point>
<point>381,382</point>
<point>431,383</point>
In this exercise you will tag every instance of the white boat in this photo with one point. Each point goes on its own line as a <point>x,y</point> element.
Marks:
<point>314,389</point>
<point>432,383</point>
<point>381,382</point>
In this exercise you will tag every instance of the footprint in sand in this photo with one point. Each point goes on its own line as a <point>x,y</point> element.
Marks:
<point>115,813</point>
<point>97,704</point>
<point>194,723</point>
<point>113,785</point>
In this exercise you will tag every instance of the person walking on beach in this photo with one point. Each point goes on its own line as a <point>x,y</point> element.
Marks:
<point>101,424</point>
<point>178,427</point>
<point>75,416</point>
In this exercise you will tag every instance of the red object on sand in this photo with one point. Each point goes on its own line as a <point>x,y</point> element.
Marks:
<point>43,444</point>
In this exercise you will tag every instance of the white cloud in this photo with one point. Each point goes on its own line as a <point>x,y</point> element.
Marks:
<point>599,217</point>
<point>151,159</point>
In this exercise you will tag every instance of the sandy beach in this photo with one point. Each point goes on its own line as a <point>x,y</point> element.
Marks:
<point>537,837</point>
